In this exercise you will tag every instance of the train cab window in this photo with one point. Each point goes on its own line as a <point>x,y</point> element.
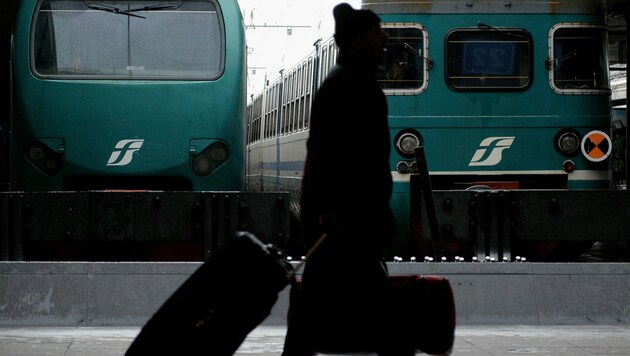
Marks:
<point>406,64</point>
<point>488,59</point>
<point>577,62</point>
<point>128,39</point>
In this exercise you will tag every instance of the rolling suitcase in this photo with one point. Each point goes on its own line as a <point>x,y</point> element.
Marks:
<point>423,312</point>
<point>215,309</point>
<point>426,310</point>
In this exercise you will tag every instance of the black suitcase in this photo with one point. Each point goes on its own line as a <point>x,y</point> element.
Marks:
<point>215,309</point>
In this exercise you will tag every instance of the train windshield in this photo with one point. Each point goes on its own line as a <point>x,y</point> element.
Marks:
<point>488,58</point>
<point>578,63</point>
<point>406,62</point>
<point>176,40</point>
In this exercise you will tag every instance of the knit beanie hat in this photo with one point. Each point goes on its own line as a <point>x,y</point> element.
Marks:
<point>351,23</point>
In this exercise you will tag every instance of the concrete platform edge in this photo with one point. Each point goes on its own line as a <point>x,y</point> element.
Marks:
<point>127,293</point>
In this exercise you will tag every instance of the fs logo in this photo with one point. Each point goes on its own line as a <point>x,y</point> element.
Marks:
<point>496,146</point>
<point>124,148</point>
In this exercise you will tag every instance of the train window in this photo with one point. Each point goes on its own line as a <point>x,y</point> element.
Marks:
<point>253,120</point>
<point>577,61</point>
<point>488,58</point>
<point>296,100</point>
<point>270,110</point>
<point>128,39</point>
<point>405,67</point>
<point>324,60</point>
<point>286,102</point>
<point>297,124</point>
<point>309,85</point>
<point>329,58</point>
<point>275,110</point>
<point>332,58</point>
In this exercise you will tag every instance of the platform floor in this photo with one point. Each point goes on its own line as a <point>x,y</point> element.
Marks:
<point>268,340</point>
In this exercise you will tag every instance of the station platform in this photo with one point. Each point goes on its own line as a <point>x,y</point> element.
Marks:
<point>502,308</point>
<point>486,293</point>
<point>569,340</point>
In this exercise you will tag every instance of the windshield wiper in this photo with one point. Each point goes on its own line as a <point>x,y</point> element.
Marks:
<point>109,8</point>
<point>483,26</point>
<point>417,54</point>
<point>170,5</point>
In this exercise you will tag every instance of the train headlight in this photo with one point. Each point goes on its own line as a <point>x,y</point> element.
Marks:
<point>567,142</point>
<point>44,158</point>
<point>210,158</point>
<point>407,142</point>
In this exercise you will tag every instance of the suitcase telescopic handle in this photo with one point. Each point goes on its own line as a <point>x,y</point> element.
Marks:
<point>308,254</point>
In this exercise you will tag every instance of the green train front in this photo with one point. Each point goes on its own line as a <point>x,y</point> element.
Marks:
<point>128,95</point>
<point>502,95</point>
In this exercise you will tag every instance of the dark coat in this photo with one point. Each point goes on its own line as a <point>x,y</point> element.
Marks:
<point>347,170</point>
<point>344,298</point>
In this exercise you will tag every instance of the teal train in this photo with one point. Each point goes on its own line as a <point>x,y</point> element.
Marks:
<point>502,95</point>
<point>127,94</point>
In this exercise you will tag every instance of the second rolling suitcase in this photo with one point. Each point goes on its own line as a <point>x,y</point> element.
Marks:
<point>423,312</point>
<point>426,310</point>
<point>215,309</point>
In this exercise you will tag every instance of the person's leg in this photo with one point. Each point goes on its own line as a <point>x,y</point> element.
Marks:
<point>307,307</point>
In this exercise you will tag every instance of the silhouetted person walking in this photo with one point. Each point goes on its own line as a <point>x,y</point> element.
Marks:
<point>344,294</point>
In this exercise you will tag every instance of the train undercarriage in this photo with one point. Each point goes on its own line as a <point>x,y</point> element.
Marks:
<point>133,225</point>
<point>484,225</point>
<point>539,225</point>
